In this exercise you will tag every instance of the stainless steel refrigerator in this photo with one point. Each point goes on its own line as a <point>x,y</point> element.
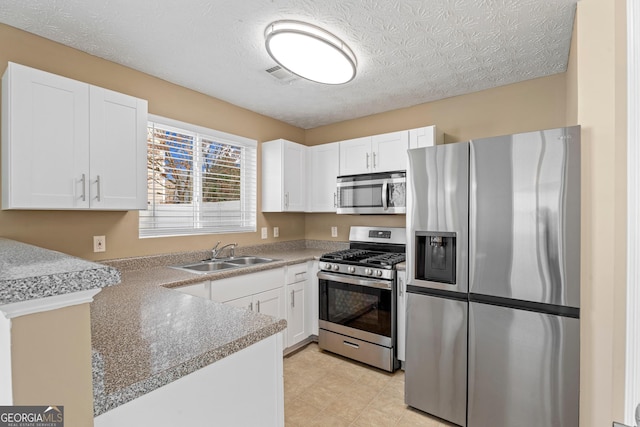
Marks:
<point>523,269</point>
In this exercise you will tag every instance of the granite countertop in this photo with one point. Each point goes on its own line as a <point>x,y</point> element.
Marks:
<point>28,272</point>
<point>145,335</point>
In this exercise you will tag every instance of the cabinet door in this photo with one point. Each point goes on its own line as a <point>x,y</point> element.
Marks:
<point>424,137</point>
<point>118,167</point>
<point>243,302</point>
<point>294,162</point>
<point>355,156</point>
<point>401,314</point>
<point>323,167</point>
<point>270,303</point>
<point>296,313</point>
<point>45,140</point>
<point>389,151</point>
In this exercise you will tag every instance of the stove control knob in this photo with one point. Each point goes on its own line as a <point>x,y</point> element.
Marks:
<point>336,267</point>
<point>352,270</point>
<point>368,271</point>
<point>378,273</point>
<point>327,266</point>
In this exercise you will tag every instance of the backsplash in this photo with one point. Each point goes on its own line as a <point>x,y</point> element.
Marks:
<point>177,258</point>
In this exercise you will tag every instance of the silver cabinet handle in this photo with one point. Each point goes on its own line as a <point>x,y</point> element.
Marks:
<point>251,306</point>
<point>286,200</point>
<point>84,187</point>
<point>335,200</point>
<point>350,344</point>
<point>374,160</point>
<point>293,299</point>
<point>98,182</point>
<point>400,286</point>
<point>367,160</point>
<point>258,305</point>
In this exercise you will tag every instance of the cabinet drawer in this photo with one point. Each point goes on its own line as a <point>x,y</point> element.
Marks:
<point>297,273</point>
<point>246,284</point>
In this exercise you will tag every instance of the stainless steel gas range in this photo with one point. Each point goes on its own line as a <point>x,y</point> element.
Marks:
<point>358,296</point>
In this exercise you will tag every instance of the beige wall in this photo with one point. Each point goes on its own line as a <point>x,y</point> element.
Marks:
<point>51,362</point>
<point>71,232</point>
<point>520,107</point>
<point>599,79</point>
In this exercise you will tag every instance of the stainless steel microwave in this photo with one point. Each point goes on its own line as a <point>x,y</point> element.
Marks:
<point>375,193</point>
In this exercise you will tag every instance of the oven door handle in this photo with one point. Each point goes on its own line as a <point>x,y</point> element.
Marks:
<point>352,280</point>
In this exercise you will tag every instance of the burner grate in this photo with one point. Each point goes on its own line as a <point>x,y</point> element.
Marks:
<point>385,259</point>
<point>346,254</point>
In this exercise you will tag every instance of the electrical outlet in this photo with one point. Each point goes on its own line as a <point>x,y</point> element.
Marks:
<point>99,243</point>
<point>276,231</point>
<point>264,232</point>
<point>334,231</point>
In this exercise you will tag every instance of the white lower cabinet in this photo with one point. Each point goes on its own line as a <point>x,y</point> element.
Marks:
<point>261,292</point>
<point>269,302</point>
<point>297,323</point>
<point>243,302</point>
<point>401,314</point>
<point>289,293</point>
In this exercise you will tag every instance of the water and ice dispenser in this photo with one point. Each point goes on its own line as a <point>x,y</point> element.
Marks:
<point>436,256</point>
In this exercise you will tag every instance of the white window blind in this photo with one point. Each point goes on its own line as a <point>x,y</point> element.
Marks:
<point>199,181</point>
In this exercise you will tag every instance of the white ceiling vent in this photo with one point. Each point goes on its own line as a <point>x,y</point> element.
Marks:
<point>281,74</point>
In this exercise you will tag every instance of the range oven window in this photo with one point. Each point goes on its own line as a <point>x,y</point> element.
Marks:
<point>355,306</point>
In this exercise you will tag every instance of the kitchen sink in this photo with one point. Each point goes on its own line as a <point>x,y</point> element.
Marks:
<point>210,266</point>
<point>248,260</point>
<point>207,266</point>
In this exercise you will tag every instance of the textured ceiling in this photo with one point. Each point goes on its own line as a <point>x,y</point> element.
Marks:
<point>409,52</point>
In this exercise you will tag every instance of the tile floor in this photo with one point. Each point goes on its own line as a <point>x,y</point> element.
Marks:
<point>323,389</point>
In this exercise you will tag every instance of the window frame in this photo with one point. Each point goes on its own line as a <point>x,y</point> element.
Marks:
<point>248,188</point>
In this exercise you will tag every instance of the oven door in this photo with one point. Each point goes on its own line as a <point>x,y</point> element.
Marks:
<point>383,193</point>
<point>358,307</point>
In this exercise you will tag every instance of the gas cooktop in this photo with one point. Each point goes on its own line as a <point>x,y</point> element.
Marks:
<point>365,257</point>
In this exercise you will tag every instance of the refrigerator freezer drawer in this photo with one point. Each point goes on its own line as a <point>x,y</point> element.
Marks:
<point>524,368</point>
<point>436,356</point>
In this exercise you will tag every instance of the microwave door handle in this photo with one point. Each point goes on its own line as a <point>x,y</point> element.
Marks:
<point>385,195</point>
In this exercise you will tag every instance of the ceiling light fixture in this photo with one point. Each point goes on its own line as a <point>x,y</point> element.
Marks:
<point>310,52</point>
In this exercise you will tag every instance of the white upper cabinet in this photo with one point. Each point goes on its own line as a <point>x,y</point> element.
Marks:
<point>283,176</point>
<point>118,161</point>
<point>378,153</point>
<point>323,163</point>
<point>427,136</point>
<point>389,151</point>
<point>70,145</point>
<point>355,156</point>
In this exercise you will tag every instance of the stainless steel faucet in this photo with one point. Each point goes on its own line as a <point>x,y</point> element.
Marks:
<point>215,251</point>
